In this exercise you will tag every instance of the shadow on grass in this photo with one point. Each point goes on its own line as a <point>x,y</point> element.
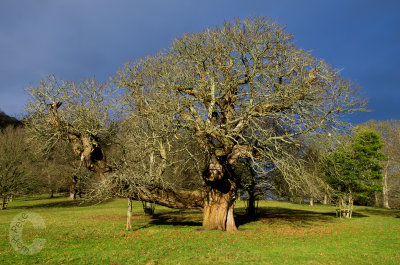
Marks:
<point>36,198</point>
<point>177,218</point>
<point>287,215</point>
<point>59,204</point>
<point>140,228</point>
<point>265,214</point>
<point>382,212</point>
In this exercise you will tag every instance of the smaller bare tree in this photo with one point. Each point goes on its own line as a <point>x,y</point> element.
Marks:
<point>13,180</point>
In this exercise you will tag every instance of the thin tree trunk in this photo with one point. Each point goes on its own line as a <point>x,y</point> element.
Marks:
<point>311,201</point>
<point>72,195</point>
<point>5,202</point>
<point>342,207</point>
<point>230,221</point>
<point>148,208</point>
<point>73,191</point>
<point>251,206</point>
<point>351,206</point>
<point>325,201</point>
<point>129,215</point>
<point>385,187</point>
<point>348,208</point>
<point>377,200</point>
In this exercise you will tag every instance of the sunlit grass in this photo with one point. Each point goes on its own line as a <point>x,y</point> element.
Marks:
<point>285,233</point>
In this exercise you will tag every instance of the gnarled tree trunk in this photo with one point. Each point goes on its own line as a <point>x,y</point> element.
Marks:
<point>220,198</point>
<point>218,211</point>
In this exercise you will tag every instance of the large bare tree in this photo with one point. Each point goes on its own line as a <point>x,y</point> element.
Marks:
<point>221,92</point>
<point>225,85</point>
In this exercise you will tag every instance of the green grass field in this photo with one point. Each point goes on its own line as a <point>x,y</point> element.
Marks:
<point>285,233</point>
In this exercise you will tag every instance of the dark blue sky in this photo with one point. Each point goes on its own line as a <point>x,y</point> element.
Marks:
<point>75,39</point>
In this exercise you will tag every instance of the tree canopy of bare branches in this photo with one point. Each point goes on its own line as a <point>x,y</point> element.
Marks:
<point>242,90</point>
<point>230,87</point>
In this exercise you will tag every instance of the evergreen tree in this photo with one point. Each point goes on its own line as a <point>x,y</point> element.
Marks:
<point>354,169</point>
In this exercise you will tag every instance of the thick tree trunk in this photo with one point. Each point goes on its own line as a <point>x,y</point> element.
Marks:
<point>218,211</point>
<point>220,196</point>
<point>311,201</point>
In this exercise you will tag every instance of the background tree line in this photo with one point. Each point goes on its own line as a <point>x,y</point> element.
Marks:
<point>24,169</point>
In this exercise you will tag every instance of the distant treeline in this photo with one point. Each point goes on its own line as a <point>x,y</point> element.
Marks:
<point>6,120</point>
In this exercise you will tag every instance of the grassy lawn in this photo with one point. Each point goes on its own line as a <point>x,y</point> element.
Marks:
<point>285,233</point>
